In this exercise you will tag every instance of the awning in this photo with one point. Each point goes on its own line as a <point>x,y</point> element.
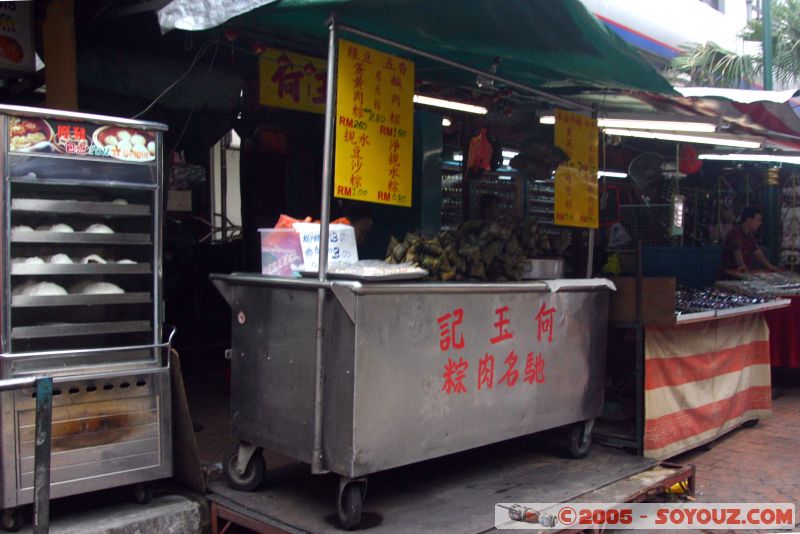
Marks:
<point>558,46</point>
<point>772,114</point>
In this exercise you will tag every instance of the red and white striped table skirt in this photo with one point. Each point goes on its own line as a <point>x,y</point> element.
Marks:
<point>702,380</point>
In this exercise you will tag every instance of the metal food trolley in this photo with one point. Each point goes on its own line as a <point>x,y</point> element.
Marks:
<point>384,404</point>
<point>81,301</point>
<point>372,396</point>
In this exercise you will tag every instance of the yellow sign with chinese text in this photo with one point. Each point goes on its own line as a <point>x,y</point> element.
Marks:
<point>576,198</point>
<point>292,81</point>
<point>374,126</point>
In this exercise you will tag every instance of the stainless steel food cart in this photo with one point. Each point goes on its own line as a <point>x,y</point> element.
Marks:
<point>531,356</point>
<point>81,301</point>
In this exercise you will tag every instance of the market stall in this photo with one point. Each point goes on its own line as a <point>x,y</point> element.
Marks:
<point>701,365</point>
<point>784,324</point>
<point>459,365</point>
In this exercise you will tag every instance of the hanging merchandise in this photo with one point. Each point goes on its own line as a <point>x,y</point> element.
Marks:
<point>480,153</point>
<point>688,163</point>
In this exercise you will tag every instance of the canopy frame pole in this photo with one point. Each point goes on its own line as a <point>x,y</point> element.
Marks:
<point>467,68</point>
<point>317,464</point>
<point>590,252</point>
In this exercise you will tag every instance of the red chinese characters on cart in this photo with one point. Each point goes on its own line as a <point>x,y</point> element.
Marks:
<point>500,366</point>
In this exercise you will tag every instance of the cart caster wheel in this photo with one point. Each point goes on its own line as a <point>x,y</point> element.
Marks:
<point>751,423</point>
<point>13,520</point>
<point>578,441</point>
<point>143,493</point>
<point>253,474</point>
<point>351,498</point>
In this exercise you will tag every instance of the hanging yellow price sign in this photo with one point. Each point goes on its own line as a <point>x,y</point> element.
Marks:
<point>576,197</point>
<point>374,126</point>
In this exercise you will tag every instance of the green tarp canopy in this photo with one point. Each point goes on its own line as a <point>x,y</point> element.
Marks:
<point>552,45</point>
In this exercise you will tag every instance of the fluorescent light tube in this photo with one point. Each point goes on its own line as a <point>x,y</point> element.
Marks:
<point>612,174</point>
<point>664,136</point>
<point>646,124</point>
<point>769,158</point>
<point>449,104</point>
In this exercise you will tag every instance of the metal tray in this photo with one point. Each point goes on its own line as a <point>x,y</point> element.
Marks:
<point>79,329</point>
<point>80,238</point>
<point>57,269</point>
<point>79,207</point>
<point>46,301</point>
<point>366,278</point>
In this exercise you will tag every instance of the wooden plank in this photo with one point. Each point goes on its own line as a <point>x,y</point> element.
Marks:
<point>658,300</point>
<point>456,493</point>
<point>61,73</point>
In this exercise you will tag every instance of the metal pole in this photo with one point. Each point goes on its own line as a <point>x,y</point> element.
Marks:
<point>324,231</point>
<point>41,458</point>
<point>223,190</point>
<point>445,61</point>
<point>767,44</point>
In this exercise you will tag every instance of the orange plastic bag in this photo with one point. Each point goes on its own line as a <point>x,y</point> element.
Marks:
<point>285,221</point>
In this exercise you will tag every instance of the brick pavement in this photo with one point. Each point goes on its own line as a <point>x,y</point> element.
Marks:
<point>757,464</point>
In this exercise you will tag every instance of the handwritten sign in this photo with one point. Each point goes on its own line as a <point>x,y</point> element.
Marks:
<point>499,365</point>
<point>576,197</point>
<point>374,126</point>
<point>292,81</point>
<point>341,244</point>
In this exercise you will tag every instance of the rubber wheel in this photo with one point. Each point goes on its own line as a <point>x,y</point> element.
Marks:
<point>349,507</point>
<point>751,423</point>
<point>143,493</point>
<point>576,448</point>
<point>252,476</point>
<point>13,520</point>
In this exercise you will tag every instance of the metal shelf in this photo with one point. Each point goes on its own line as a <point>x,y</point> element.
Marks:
<point>79,329</point>
<point>47,301</point>
<point>58,269</point>
<point>80,238</point>
<point>79,207</point>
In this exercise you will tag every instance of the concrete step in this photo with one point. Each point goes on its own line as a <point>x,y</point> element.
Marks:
<point>169,514</point>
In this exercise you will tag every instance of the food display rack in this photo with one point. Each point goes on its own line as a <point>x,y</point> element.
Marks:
<point>452,196</point>
<point>103,347</point>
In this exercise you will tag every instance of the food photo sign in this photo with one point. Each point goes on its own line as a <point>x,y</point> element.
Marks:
<point>17,52</point>
<point>37,135</point>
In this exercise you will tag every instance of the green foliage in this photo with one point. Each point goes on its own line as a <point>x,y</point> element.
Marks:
<point>711,65</point>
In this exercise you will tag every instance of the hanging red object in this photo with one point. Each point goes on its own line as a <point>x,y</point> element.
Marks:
<point>231,35</point>
<point>480,152</point>
<point>688,162</point>
<point>259,48</point>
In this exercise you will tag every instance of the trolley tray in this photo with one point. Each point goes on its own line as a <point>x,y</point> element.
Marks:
<point>47,301</point>
<point>79,329</point>
<point>79,207</point>
<point>57,269</point>
<point>80,238</point>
